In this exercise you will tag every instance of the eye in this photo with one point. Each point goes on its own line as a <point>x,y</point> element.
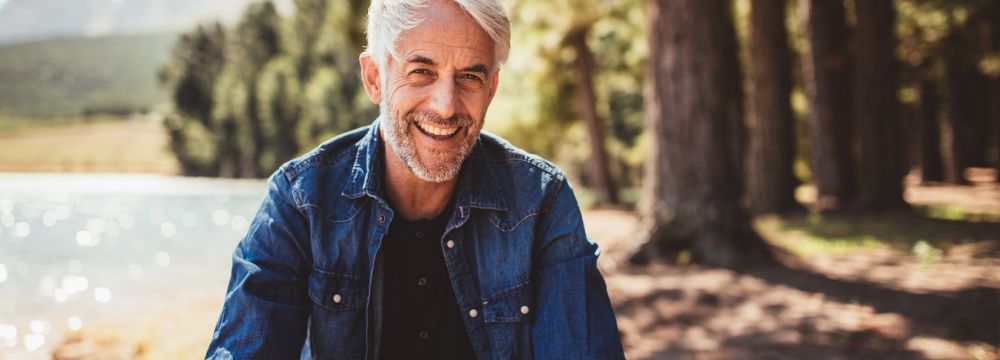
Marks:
<point>421,72</point>
<point>472,77</point>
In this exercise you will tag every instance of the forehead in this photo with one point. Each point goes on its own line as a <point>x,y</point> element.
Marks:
<point>446,31</point>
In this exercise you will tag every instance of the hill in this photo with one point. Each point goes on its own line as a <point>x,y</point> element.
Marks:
<point>72,76</point>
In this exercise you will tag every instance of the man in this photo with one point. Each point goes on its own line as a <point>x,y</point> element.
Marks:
<point>419,237</point>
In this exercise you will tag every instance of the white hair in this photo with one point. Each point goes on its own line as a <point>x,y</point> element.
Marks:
<point>387,19</point>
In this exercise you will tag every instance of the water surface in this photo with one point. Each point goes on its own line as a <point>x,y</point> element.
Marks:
<point>80,249</point>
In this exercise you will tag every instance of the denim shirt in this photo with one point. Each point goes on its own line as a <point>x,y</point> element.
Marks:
<point>305,280</point>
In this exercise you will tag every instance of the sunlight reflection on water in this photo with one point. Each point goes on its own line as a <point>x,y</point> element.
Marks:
<point>79,249</point>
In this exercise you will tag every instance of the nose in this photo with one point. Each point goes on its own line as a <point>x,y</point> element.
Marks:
<point>444,99</point>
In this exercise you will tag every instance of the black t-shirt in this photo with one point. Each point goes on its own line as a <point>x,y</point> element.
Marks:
<point>421,318</point>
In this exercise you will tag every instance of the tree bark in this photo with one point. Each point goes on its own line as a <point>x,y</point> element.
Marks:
<point>961,107</point>
<point>599,169</point>
<point>691,192</point>
<point>932,169</point>
<point>770,180</point>
<point>827,79</point>
<point>881,161</point>
<point>994,83</point>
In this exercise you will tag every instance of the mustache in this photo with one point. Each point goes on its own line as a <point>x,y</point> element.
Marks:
<point>457,120</point>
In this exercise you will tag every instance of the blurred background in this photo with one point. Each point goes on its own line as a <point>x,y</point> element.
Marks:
<point>768,179</point>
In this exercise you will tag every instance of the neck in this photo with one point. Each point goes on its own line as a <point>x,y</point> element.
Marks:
<point>413,197</point>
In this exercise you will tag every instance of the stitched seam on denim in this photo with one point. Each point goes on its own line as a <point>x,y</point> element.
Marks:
<point>319,155</point>
<point>563,262</point>
<point>538,164</point>
<point>551,196</point>
<point>508,290</point>
<point>322,214</point>
<point>495,220</point>
<point>492,303</point>
<point>337,274</point>
<point>345,281</point>
<point>302,252</point>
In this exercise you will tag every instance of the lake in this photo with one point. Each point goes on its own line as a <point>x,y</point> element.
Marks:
<point>81,249</point>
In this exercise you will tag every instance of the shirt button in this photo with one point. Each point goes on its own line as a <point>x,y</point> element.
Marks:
<point>473,313</point>
<point>422,281</point>
<point>381,219</point>
<point>420,234</point>
<point>450,244</point>
<point>524,310</point>
<point>336,298</point>
<point>423,335</point>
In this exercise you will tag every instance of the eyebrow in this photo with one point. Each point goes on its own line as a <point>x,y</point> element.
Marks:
<point>479,68</point>
<point>423,60</point>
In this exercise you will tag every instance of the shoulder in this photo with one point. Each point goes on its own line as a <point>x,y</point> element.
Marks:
<point>323,171</point>
<point>331,153</point>
<point>526,179</point>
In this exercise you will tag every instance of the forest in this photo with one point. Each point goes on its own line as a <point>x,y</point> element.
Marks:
<point>725,107</point>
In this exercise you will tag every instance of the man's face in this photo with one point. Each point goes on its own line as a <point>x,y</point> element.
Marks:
<point>437,91</point>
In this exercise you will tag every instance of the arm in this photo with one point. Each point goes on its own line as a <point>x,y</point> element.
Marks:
<point>574,318</point>
<point>266,308</point>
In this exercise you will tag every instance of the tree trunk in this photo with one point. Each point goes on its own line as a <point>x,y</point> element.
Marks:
<point>692,189</point>
<point>599,169</point>
<point>827,78</point>
<point>878,108</point>
<point>931,167</point>
<point>770,180</point>
<point>961,107</point>
<point>994,91</point>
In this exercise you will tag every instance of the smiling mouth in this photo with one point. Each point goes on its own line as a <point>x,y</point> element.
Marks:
<point>437,132</point>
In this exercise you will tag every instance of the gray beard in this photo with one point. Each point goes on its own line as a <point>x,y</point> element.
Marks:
<point>443,165</point>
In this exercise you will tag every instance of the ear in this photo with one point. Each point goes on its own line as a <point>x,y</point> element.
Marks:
<point>370,78</point>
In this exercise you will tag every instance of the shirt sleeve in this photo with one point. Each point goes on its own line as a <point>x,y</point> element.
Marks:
<point>266,308</point>
<point>574,319</point>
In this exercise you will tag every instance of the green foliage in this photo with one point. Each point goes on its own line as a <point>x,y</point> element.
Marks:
<point>277,87</point>
<point>538,108</point>
<point>76,76</point>
<point>198,60</point>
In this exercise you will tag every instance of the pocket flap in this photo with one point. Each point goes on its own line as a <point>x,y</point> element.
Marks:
<point>509,305</point>
<point>337,291</point>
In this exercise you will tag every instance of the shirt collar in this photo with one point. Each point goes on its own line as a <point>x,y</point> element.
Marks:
<point>478,185</point>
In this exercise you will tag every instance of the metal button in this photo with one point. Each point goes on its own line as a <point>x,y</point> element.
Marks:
<point>336,298</point>
<point>422,281</point>
<point>473,313</point>
<point>450,244</point>
<point>524,310</point>
<point>381,218</point>
<point>423,335</point>
<point>420,234</point>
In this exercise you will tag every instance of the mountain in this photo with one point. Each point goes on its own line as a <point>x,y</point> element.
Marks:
<point>26,20</point>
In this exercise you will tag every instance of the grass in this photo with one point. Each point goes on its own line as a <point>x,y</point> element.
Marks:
<point>921,232</point>
<point>93,144</point>
<point>792,236</point>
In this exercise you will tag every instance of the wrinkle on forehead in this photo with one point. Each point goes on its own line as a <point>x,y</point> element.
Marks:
<point>445,26</point>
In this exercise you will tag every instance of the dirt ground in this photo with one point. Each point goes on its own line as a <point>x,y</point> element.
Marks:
<point>937,301</point>
<point>879,303</point>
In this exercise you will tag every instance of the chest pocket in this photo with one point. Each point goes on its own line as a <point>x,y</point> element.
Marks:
<point>337,292</point>
<point>514,304</point>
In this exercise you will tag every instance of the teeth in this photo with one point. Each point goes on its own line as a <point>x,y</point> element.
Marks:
<point>437,130</point>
